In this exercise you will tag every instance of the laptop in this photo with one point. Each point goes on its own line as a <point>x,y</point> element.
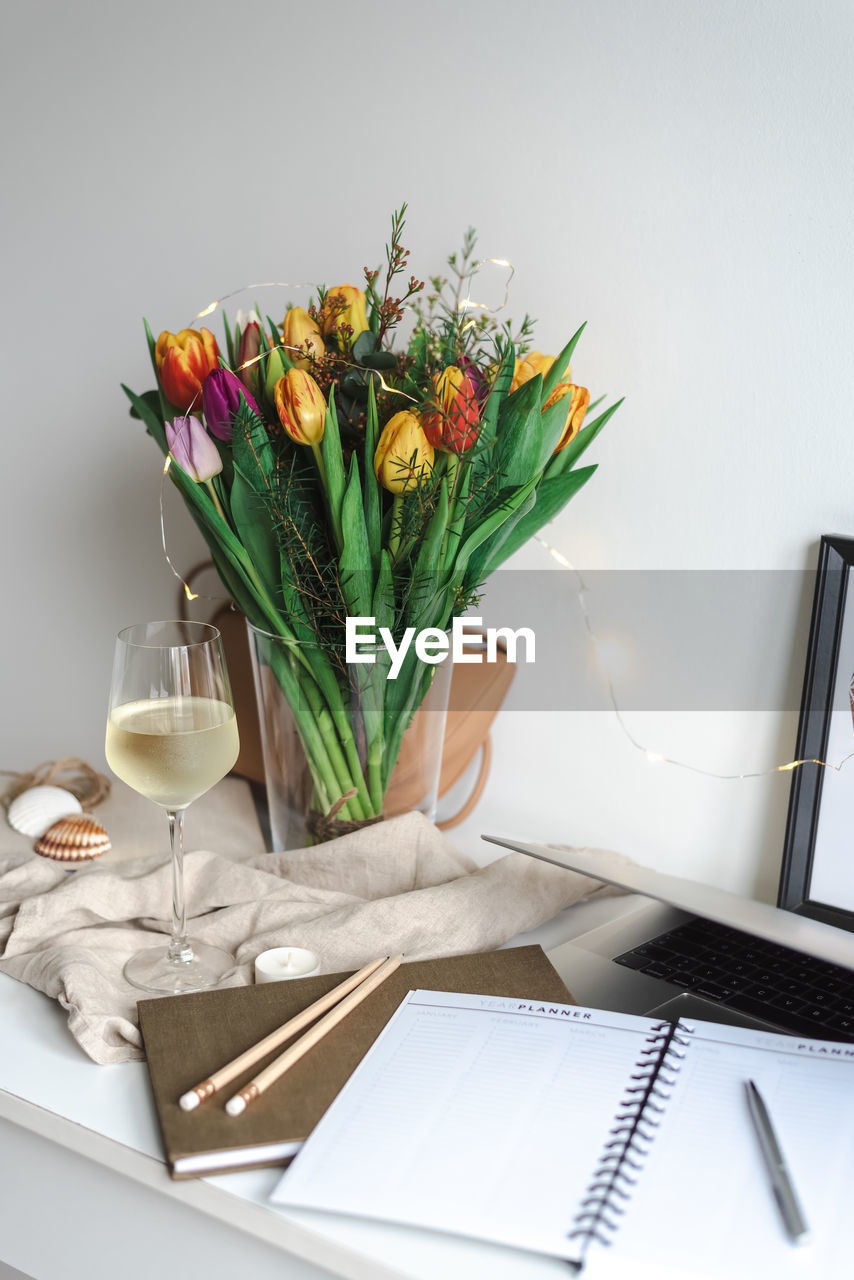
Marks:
<point>698,951</point>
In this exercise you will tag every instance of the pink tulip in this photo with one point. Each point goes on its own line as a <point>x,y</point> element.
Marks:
<point>192,448</point>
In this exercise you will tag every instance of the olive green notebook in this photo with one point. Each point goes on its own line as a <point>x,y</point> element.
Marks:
<point>188,1037</point>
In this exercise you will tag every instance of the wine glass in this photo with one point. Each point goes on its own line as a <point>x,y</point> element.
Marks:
<point>171,734</point>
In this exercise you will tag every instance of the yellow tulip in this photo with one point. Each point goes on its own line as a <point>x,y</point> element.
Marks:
<point>404,456</point>
<point>344,314</point>
<point>302,338</point>
<point>300,406</point>
<point>529,365</point>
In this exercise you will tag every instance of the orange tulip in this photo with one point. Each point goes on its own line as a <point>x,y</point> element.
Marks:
<point>404,456</point>
<point>300,406</point>
<point>579,399</point>
<point>528,366</point>
<point>344,314</point>
<point>302,338</point>
<point>183,362</point>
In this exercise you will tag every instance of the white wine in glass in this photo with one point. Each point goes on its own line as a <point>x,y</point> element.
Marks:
<point>172,734</point>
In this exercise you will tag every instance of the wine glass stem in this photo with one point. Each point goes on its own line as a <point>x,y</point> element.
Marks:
<point>180,951</point>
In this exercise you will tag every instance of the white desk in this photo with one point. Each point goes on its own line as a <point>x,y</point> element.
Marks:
<point>84,1194</point>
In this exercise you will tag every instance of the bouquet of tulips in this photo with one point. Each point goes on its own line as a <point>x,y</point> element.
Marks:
<point>333,475</point>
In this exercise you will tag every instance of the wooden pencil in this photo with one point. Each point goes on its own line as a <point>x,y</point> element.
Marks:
<point>240,1101</point>
<point>207,1088</point>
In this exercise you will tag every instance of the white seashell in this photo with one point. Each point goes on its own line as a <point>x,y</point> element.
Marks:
<point>33,811</point>
<point>74,839</point>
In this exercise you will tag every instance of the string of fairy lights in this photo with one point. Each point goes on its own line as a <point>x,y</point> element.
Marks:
<point>468,303</point>
<point>655,757</point>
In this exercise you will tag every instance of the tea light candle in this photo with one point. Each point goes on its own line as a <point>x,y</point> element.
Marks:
<point>286,962</point>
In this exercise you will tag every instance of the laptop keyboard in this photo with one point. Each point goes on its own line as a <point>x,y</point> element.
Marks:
<point>805,996</point>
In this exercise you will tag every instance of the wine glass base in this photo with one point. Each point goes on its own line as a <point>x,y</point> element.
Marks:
<point>152,970</point>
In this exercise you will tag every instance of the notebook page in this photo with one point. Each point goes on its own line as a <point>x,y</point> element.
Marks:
<point>704,1196</point>
<point>471,1114</point>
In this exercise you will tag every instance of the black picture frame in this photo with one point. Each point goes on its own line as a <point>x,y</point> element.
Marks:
<point>802,850</point>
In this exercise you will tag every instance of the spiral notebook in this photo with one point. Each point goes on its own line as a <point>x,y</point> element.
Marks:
<point>564,1131</point>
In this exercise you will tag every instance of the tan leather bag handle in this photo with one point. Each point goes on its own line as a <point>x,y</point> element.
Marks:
<point>477,789</point>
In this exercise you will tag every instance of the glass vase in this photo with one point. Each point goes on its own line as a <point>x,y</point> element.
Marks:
<point>343,746</point>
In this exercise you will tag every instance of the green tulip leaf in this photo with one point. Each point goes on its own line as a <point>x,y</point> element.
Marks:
<point>252,520</point>
<point>234,584</point>
<point>152,345</point>
<point>558,369</point>
<point>230,340</point>
<point>489,554</point>
<point>553,421</point>
<point>496,398</point>
<point>144,407</point>
<point>370,484</point>
<point>152,399</point>
<point>431,545</point>
<point>382,608</point>
<point>354,564</point>
<point>487,526</point>
<point>333,462</point>
<point>553,493</point>
<point>374,683</point>
<point>251,449</point>
<point>243,581</point>
<point>520,445</point>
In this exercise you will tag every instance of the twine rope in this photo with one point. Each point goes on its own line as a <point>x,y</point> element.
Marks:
<point>71,773</point>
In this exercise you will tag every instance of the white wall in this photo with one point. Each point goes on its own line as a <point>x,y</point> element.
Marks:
<point>677,173</point>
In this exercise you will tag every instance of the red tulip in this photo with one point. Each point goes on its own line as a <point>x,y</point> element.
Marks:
<point>248,366</point>
<point>452,422</point>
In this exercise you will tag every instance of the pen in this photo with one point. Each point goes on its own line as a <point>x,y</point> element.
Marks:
<point>781,1179</point>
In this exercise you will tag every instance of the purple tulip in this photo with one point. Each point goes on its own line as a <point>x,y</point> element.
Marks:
<point>475,376</point>
<point>221,392</point>
<point>193,449</point>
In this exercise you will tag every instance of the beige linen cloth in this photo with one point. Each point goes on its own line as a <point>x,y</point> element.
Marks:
<point>395,887</point>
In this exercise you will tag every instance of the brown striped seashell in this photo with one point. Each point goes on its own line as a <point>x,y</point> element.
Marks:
<point>77,838</point>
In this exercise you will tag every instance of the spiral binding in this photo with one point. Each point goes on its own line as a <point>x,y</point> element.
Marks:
<point>634,1130</point>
